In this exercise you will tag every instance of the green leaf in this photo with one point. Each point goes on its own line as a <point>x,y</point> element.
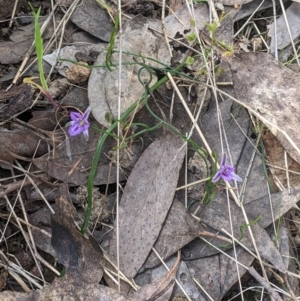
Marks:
<point>190,60</point>
<point>191,37</point>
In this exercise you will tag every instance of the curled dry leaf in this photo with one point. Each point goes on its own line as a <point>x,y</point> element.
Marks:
<point>146,201</point>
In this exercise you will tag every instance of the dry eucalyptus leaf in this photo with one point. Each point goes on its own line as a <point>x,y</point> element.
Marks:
<point>184,277</point>
<point>47,120</point>
<point>228,268</point>
<point>282,202</point>
<point>216,216</point>
<point>198,248</point>
<point>272,98</point>
<point>159,289</point>
<point>247,9</point>
<point>19,142</point>
<point>67,289</point>
<point>284,242</point>
<point>234,2</point>
<point>146,200</point>
<point>78,98</point>
<point>14,101</point>
<point>282,237</point>
<point>235,129</point>
<point>218,273</point>
<point>137,38</point>
<point>59,162</point>
<point>275,156</point>
<point>82,257</point>
<point>172,238</point>
<point>257,183</point>
<point>104,98</point>
<point>12,51</point>
<point>181,21</point>
<point>92,18</point>
<point>281,33</point>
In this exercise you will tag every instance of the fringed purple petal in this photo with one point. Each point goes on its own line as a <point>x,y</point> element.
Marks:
<point>86,134</point>
<point>75,130</point>
<point>217,177</point>
<point>87,113</point>
<point>223,160</point>
<point>75,116</point>
<point>70,123</point>
<point>234,176</point>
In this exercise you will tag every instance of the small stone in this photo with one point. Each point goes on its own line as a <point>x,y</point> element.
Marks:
<point>24,19</point>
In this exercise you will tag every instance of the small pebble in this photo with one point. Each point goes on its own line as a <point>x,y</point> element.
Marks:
<point>24,19</point>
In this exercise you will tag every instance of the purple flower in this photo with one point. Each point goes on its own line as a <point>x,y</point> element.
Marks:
<point>226,172</point>
<point>79,123</point>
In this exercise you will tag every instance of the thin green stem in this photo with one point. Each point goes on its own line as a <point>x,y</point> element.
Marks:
<point>110,49</point>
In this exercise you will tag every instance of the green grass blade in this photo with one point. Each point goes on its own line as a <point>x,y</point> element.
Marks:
<point>39,45</point>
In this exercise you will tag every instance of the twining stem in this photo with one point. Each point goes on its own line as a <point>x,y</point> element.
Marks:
<point>102,140</point>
